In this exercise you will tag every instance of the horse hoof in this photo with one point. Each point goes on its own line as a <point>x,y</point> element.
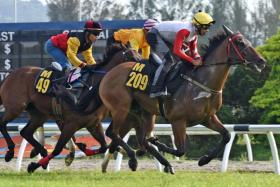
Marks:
<point>69,159</point>
<point>32,167</point>
<point>103,149</point>
<point>81,146</point>
<point>140,152</point>
<point>44,166</point>
<point>104,166</point>
<point>9,156</point>
<point>132,163</point>
<point>169,169</point>
<point>33,153</point>
<point>152,140</point>
<point>204,160</point>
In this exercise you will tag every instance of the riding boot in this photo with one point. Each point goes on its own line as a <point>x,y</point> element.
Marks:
<point>158,87</point>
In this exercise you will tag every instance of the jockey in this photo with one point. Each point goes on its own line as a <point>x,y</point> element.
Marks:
<point>136,38</point>
<point>65,47</point>
<point>167,39</point>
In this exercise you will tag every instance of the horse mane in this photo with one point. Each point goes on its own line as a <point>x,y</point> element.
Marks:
<point>110,51</point>
<point>214,42</point>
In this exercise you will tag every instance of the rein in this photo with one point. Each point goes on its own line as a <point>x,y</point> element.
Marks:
<point>239,60</point>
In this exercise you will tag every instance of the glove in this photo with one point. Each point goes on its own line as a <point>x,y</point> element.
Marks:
<point>82,65</point>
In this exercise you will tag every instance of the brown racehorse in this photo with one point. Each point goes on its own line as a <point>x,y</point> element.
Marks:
<point>18,94</point>
<point>196,100</point>
<point>142,129</point>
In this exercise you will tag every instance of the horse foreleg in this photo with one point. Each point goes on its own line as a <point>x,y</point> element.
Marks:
<point>179,132</point>
<point>66,133</point>
<point>97,132</point>
<point>141,137</point>
<point>70,157</point>
<point>70,145</point>
<point>27,133</point>
<point>216,125</point>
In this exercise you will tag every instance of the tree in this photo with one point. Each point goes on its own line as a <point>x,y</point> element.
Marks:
<point>136,9</point>
<point>180,10</point>
<point>63,10</point>
<point>102,9</point>
<point>267,98</point>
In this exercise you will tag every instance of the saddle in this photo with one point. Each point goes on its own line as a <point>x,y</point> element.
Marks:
<point>69,86</point>
<point>142,75</point>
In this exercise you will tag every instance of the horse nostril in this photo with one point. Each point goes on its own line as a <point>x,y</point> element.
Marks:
<point>261,62</point>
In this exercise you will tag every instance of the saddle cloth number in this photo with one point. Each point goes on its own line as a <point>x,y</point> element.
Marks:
<point>136,79</point>
<point>44,81</point>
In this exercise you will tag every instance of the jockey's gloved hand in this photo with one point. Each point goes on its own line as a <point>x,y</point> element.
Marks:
<point>197,61</point>
<point>82,65</point>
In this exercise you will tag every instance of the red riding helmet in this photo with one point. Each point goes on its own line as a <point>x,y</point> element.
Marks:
<point>93,27</point>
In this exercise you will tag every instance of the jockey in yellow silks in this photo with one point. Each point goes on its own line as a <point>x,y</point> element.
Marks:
<point>136,38</point>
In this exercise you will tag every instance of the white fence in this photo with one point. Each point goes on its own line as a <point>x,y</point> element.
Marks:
<point>165,129</point>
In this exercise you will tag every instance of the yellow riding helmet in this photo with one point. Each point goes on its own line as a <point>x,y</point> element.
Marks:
<point>202,18</point>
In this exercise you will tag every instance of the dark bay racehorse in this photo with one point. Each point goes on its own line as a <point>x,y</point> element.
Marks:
<point>196,100</point>
<point>18,94</point>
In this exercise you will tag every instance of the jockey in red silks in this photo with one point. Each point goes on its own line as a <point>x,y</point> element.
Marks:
<point>65,47</point>
<point>167,39</point>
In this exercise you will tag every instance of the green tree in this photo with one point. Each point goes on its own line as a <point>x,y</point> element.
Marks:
<point>63,10</point>
<point>267,98</point>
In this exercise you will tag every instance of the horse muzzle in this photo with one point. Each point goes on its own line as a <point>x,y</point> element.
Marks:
<point>258,65</point>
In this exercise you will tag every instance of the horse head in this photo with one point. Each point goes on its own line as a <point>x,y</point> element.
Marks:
<point>241,51</point>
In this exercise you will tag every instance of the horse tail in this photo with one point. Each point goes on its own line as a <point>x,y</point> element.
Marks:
<point>1,83</point>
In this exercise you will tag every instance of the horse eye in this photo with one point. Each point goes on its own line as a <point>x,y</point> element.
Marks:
<point>240,42</point>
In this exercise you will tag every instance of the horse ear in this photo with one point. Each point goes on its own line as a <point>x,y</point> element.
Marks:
<point>227,30</point>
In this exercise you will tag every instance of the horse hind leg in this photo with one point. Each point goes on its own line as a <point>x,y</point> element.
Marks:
<point>215,124</point>
<point>119,117</point>
<point>66,134</point>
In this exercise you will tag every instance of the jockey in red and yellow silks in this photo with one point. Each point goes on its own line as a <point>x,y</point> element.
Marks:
<point>167,39</point>
<point>65,47</point>
<point>136,38</point>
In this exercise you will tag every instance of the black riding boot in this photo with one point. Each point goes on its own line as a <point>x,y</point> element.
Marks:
<point>158,87</point>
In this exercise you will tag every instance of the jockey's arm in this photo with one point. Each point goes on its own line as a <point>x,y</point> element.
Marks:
<point>193,49</point>
<point>145,52</point>
<point>134,44</point>
<point>178,43</point>
<point>73,44</point>
<point>88,56</point>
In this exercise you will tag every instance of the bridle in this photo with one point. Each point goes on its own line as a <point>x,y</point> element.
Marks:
<point>232,48</point>
<point>241,59</point>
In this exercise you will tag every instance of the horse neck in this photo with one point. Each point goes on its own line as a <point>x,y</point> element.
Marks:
<point>114,61</point>
<point>215,76</point>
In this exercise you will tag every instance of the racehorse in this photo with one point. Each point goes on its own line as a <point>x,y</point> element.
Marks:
<point>142,129</point>
<point>18,94</point>
<point>197,97</point>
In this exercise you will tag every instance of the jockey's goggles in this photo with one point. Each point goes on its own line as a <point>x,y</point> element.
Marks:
<point>204,27</point>
<point>95,32</point>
